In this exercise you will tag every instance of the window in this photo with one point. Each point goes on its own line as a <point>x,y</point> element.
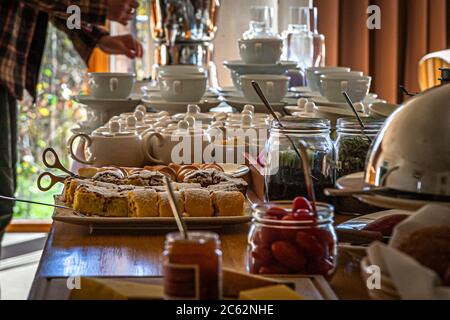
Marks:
<point>49,121</point>
<point>63,74</point>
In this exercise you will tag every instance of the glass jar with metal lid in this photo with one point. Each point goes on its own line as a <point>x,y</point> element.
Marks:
<point>352,144</point>
<point>192,266</point>
<point>281,243</point>
<point>284,178</point>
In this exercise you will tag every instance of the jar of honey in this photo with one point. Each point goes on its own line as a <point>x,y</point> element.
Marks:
<point>193,266</point>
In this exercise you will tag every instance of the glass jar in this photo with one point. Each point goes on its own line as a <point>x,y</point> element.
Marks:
<point>318,40</point>
<point>284,178</point>
<point>292,247</point>
<point>193,266</point>
<point>352,145</point>
<point>298,38</point>
<point>261,23</point>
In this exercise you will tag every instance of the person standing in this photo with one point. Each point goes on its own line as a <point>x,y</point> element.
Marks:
<point>23,28</point>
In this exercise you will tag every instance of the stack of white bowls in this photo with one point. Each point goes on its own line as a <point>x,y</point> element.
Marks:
<point>260,62</point>
<point>259,56</point>
<point>182,83</point>
<point>331,81</point>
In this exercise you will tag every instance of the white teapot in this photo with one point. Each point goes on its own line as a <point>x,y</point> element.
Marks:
<point>181,144</point>
<point>110,147</point>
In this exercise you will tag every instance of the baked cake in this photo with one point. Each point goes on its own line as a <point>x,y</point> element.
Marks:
<point>88,202</point>
<point>98,200</point>
<point>110,176</point>
<point>198,203</point>
<point>146,178</point>
<point>143,203</point>
<point>164,206</point>
<point>228,203</point>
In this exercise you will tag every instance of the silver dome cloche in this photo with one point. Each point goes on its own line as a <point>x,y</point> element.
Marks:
<point>412,151</point>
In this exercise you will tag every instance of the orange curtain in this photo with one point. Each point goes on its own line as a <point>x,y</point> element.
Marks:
<point>99,61</point>
<point>409,30</point>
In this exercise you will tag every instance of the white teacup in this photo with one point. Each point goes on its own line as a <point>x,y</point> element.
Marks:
<point>344,75</point>
<point>356,86</point>
<point>261,51</point>
<point>274,87</point>
<point>313,75</point>
<point>111,85</point>
<point>182,88</point>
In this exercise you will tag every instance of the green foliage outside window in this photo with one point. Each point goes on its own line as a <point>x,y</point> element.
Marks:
<point>48,122</point>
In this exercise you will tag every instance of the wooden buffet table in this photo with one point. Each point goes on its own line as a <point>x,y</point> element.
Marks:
<point>72,251</point>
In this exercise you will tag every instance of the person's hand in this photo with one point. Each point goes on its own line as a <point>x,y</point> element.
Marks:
<point>124,44</point>
<point>121,10</point>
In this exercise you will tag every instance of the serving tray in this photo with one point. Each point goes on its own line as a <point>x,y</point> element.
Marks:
<point>151,223</point>
<point>311,287</point>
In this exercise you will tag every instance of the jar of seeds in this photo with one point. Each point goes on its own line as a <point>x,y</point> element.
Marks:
<point>352,144</point>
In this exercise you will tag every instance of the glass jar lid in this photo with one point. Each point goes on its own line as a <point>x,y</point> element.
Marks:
<point>325,214</point>
<point>351,125</point>
<point>199,237</point>
<point>292,125</point>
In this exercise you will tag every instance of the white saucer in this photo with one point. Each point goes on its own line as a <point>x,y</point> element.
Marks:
<point>352,181</point>
<point>305,92</point>
<point>356,181</point>
<point>239,103</point>
<point>383,109</point>
<point>324,101</point>
<point>157,96</point>
<point>147,90</point>
<point>108,105</point>
<point>240,95</point>
<point>156,92</point>
<point>235,170</point>
<point>179,107</point>
<point>292,109</point>
<point>243,68</point>
<point>396,203</point>
<point>336,112</point>
<point>300,89</point>
<point>227,89</point>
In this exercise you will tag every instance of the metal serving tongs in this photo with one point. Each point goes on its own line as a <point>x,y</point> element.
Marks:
<point>55,164</point>
<point>34,202</point>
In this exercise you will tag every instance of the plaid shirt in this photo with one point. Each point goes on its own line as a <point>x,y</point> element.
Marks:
<point>23,28</point>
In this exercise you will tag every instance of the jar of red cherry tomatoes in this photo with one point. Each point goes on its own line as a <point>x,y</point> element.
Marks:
<point>291,239</point>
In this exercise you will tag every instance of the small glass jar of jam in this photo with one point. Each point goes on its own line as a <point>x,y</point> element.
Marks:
<point>193,266</point>
<point>281,242</point>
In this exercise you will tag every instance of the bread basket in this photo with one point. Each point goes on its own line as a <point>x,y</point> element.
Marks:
<point>412,151</point>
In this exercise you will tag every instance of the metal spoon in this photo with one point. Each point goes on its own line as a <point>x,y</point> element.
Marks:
<point>307,174</point>
<point>272,112</point>
<point>301,154</point>
<point>350,103</point>
<point>173,205</point>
